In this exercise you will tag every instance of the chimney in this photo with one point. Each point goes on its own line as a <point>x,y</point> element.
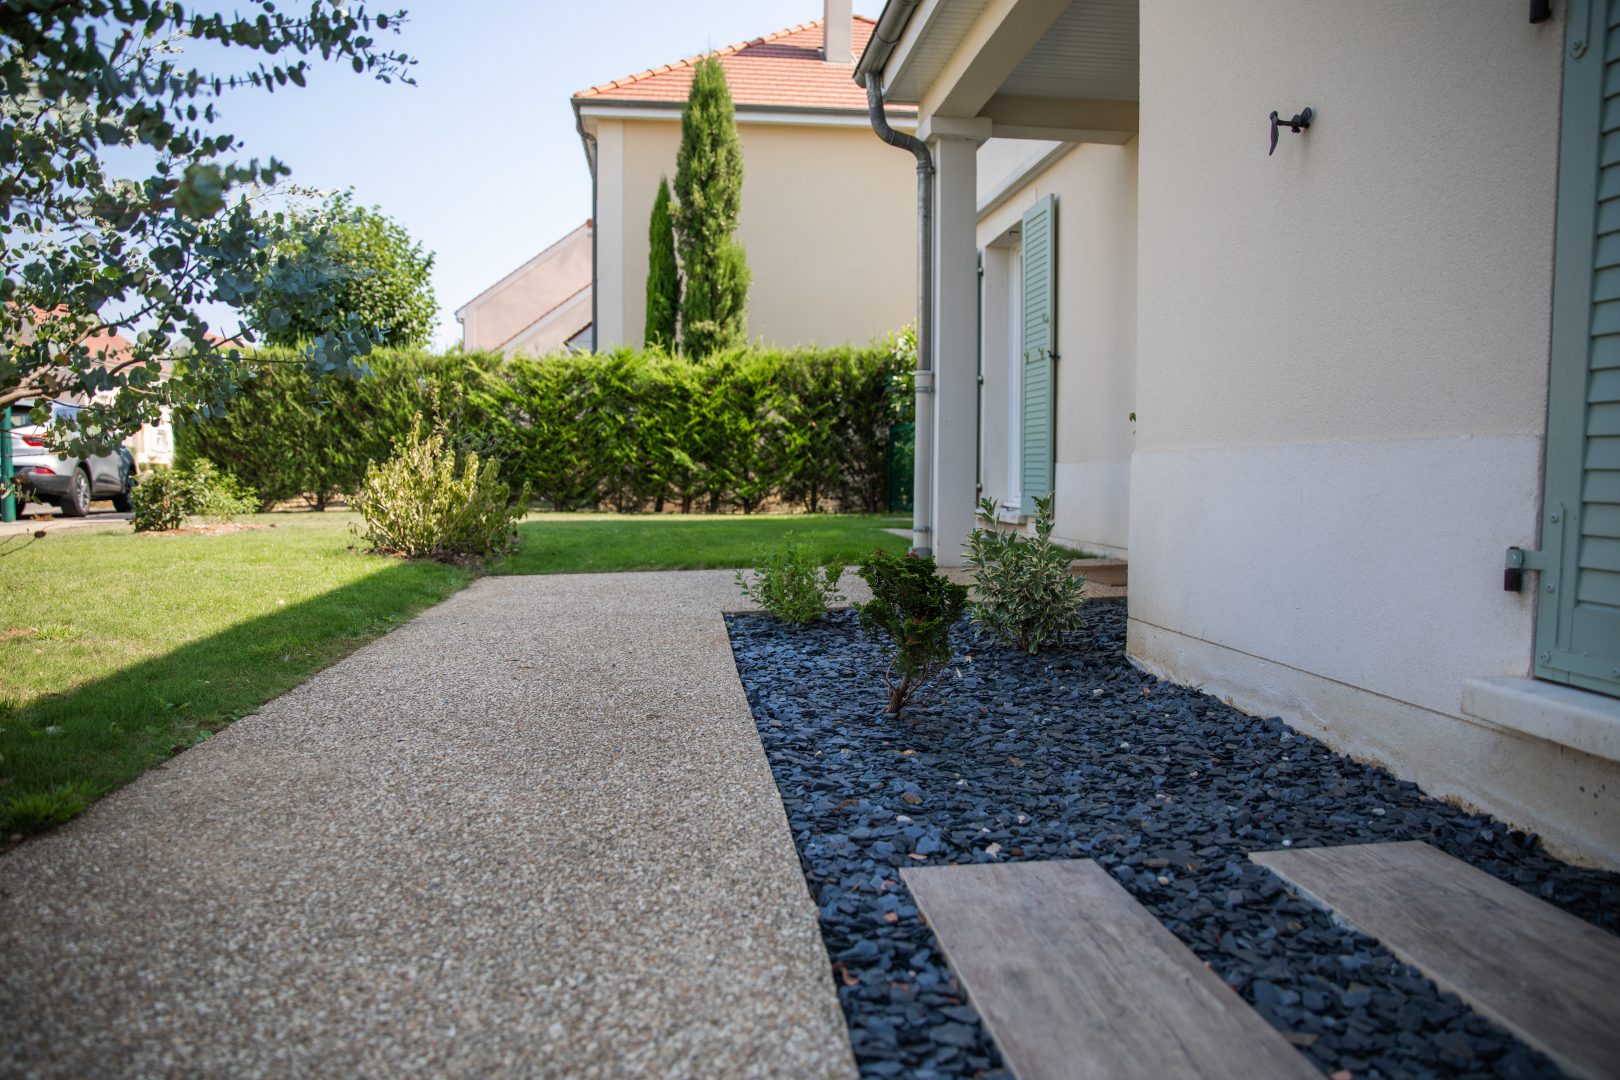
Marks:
<point>838,46</point>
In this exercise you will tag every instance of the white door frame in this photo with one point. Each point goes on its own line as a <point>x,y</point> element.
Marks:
<point>1012,504</point>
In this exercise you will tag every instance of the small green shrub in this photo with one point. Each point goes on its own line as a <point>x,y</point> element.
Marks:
<point>1023,591</point>
<point>424,504</point>
<point>164,498</point>
<point>161,500</point>
<point>914,608</point>
<point>219,496</point>
<point>791,584</point>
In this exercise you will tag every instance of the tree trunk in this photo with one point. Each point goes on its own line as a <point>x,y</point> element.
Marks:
<point>898,695</point>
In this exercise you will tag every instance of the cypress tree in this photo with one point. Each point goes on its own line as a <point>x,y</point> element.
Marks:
<point>708,186</point>
<point>663,279</point>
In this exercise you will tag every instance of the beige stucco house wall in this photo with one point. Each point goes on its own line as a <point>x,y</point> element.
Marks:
<point>1338,355</point>
<point>814,180</point>
<point>807,189</point>
<point>537,308</point>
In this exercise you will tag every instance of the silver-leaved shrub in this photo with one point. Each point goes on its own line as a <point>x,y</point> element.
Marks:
<point>425,504</point>
<point>1023,592</point>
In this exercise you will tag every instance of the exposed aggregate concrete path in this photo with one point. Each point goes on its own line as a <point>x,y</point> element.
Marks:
<point>532,832</point>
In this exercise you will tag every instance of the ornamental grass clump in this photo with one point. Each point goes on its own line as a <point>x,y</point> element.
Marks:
<point>423,504</point>
<point>1023,592</point>
<point>791,583</point>
<point>914,608</point>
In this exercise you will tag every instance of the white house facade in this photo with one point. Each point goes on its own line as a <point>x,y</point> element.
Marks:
<point>1349,407</point>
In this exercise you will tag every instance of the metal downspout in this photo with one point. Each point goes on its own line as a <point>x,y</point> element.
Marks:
<point>923,462</point>
<point>590,159</point>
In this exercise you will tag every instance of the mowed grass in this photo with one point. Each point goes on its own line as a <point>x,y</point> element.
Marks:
<point>118,650</point>
<point>594,543</point>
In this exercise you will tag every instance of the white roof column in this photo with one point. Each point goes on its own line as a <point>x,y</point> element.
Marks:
<point>954,144</point>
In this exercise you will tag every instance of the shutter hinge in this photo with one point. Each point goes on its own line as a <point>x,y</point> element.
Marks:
<point>1518,561</point>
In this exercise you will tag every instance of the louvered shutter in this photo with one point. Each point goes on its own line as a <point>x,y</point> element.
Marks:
<point>1578,615</point>
<point>1039,344</point>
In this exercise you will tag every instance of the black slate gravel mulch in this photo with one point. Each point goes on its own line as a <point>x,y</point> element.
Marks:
<point>1076,754</point>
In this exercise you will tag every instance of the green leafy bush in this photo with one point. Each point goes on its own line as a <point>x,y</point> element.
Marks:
<point>791,583</point>
<point>219,496</point>
<point>164,498</point>
<point>161,501</point>
<point>425,504</point>
<point>914,608</point>
<point>1023,592</point>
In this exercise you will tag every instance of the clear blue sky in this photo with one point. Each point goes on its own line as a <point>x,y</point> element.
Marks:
<point>480,160</point>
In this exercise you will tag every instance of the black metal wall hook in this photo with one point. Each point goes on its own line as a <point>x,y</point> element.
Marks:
<point>1300,121</point>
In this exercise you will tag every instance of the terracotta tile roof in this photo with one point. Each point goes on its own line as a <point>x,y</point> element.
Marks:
<point>782,70</point>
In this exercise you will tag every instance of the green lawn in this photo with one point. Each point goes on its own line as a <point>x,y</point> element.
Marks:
<point>584,543</point>
<point>119,650</point>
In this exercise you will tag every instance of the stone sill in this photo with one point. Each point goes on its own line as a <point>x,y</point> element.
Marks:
<point>1578,719</point>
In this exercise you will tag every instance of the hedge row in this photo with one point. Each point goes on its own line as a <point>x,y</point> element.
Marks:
<point>628,430</point>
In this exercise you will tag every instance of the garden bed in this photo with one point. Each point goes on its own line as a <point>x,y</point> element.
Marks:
<point>1076,754</point>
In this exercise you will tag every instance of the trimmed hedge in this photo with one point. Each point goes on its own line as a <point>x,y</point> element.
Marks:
<point>624,429</point>
<point>290,433</point>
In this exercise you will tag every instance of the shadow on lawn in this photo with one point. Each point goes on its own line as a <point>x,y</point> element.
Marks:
<point>62,751</point>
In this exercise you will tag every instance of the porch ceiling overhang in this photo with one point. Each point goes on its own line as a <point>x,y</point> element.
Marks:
<point>1041,69</point>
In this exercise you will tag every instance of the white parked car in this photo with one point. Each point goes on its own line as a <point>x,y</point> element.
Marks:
<point>69,483</point>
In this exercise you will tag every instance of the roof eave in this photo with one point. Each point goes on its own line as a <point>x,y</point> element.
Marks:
<point>891,26</point>
<point>675,107</point>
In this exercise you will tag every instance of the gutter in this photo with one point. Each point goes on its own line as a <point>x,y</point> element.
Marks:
<point>923,458</point>
<point>589,142</point>
<point>891,24</point>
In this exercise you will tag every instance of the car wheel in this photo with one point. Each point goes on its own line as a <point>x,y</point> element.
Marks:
<point>121,500</point>
<point>76,503</point>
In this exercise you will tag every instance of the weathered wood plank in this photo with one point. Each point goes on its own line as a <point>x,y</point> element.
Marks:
<point>1548,977</point>
<point>1074,978</point>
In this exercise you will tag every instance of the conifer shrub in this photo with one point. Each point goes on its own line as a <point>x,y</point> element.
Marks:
<point>663,276</point>
<point>1023,592</point>
<point>790,583</point>
<point>913,608</point>
<point>708,192</point>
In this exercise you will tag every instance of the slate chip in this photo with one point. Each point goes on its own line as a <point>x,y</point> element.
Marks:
<point>1154,781</point>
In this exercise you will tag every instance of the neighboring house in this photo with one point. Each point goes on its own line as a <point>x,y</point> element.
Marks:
<point>1321,398</point>
<point>814,180</point>
<point>542,306</point>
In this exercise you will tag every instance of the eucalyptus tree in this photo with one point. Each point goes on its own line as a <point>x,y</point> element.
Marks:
<point>126,207</point>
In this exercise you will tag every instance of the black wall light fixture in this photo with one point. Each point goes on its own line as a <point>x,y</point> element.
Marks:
<point>1540,10</point>
<point>1297,123</point>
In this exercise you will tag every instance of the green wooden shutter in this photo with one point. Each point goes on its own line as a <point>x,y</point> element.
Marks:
<point>1039,343</point>
<point>1578,614</point>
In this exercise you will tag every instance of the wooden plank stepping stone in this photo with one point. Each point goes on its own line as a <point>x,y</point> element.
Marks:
<point>1548,977</point>
<point>1074,978</point>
